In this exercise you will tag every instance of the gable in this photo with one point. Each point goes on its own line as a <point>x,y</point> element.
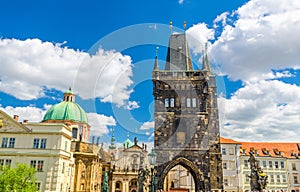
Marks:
<point>8,124</point>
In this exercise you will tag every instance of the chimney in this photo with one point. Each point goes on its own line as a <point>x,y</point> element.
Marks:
<point>16,117</point>
<point>25,121</point>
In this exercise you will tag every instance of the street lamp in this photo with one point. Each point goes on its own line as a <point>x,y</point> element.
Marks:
<point>152,158</point>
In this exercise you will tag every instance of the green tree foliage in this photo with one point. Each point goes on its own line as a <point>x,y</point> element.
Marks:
<point>19,179</point>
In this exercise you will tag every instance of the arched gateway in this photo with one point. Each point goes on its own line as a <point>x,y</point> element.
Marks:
<point>186,118</point>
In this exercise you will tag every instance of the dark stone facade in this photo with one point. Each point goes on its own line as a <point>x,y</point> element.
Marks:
<point>186,119</point>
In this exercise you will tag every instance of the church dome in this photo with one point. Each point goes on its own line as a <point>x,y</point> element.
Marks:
<point>67,110</point>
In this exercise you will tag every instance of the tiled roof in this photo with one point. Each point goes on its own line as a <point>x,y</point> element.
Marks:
<point>272,149</point>
<point>228,141</point>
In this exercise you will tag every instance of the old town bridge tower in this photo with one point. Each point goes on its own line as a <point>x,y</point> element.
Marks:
<point>186,118</point>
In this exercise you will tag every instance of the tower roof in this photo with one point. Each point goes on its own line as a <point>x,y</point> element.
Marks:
<point>178,56</point>
<point>67,110</point>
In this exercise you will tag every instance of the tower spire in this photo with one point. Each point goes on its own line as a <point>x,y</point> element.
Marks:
<point>112,141</point>
<point>205,61</point>
<point>156,68</point>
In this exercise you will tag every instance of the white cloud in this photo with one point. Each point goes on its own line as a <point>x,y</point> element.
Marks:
<point>99,123</point>
<point>198,35</point>
<point>132,105</point>
<point>180,1</point>
<point>264,37</point>
<point>30,65</point>
<point>32,114</point>
<point>263,111</point>
<point>147,125</point>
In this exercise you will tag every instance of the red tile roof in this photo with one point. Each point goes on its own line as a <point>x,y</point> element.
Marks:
<point>287,150</point>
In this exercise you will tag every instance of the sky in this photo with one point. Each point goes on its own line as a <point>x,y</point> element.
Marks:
<point>105,51</point>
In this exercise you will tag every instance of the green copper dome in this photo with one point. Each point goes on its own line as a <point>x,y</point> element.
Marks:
<point>66,110</point>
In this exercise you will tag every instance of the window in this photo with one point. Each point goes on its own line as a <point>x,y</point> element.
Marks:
<point>4,142</point>
<point>295,179</point>
<point>40,166</point>
<point>194,102</point>
<point>272,178</point>
<point>276,165</point>
<point>33,163</point>
<point>270,164</point>
<point>118,185</point>
<point>172,102</point>
<point>283,178</point>
<point>38,185</point>
<point>294,167</point>
<point>37,164</point>
<point>1,162</point>
<point>264,164</point>
<point>12,142</point>
<point>74,132</point>
<point>36,143</point>
<point>278,178</point>
<point>224,165</point>
<point>63,167</point>
<point>246,163</point>
<point>226,182</point>
<point>223,151</point>
<point>188,102</point>
<point>166,102</point>
<point>43,143</point>
<point>282,164</point>
<point>231,152</point>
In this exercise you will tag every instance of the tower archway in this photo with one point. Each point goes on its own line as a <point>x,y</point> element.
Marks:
<point>197,175</point>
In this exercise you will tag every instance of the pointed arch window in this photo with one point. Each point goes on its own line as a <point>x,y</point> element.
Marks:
<point>166,102</point>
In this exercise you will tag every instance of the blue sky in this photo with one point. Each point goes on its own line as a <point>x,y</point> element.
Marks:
<point>105,51</point>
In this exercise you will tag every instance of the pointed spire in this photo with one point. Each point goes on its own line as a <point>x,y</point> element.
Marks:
<point>205,61</point>
<point>156,68</point>
<point>112,141</point>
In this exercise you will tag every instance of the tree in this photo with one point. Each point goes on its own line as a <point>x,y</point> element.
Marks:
<point>19,179</point>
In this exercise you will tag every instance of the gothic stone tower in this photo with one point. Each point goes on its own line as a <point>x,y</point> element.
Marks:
<point>186,118</point>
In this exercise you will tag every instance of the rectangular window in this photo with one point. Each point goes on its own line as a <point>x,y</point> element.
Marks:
<point>63,167</point>
<point>226,182</point>
<point>4,142</point>
<point>223,151</point>
<point>40,166</point>
<point>74,132</point>
<point>246,163</point>
<point>277,178</point>
<point>12,142</point>
<point>270,164</point>
<point>8,162</point>
<point>33,163</point>
<point>294,167</point>
<point>43,143</point>
<point>36,143</point>
<point>247,178</point>
<point>272,178</point>
<point>188,102</point>
<point>172,102</point>
<point>231,151</point>
<point>194,102</point>
<point>166,102</point>
<point>282,164</point>
<point>276,165</point>
<point>224,165</point>
<point>295,179</point>
<point>283,178</point>
<point>264,164</point>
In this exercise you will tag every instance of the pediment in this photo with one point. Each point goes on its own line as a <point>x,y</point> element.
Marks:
<point>8,124</point>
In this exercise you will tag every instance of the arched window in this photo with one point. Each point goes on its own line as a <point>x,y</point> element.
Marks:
<point>172,102</point>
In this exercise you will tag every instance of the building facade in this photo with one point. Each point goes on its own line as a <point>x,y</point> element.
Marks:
<point>186,118</point>
<point>278,160</point>
<point>58,147</point>
<point>125,171</point>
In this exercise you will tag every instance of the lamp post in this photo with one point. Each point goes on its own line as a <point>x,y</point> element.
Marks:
<point>152,158</point>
